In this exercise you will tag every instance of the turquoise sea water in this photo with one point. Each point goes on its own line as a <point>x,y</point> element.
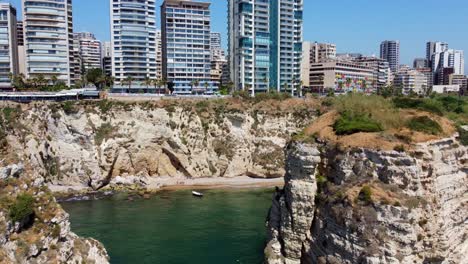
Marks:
<point>226,226</point>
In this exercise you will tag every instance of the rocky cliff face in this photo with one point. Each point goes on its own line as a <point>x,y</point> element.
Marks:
<point>35,229</point>
<point>367,206</point>
<point>95,144</point>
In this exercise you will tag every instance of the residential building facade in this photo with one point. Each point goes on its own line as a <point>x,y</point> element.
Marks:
<point>390,51</point>
<point>419,63</point>
<point>159,59</point>
<point>48,39</point>
<point>133,38</point>
<point>381,69</point>
<point>8,45</point>
<point>265,44</point>
<point>342,77</point>
<point>411,81</point>
<point>106,52</point>
<point>186,28</point>
<point>322,52</point>
<point>305,64</point>
<point>90,50</point>
<point>433,47</point>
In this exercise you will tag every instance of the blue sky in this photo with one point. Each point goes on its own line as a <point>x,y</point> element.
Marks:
<point>355,26</point>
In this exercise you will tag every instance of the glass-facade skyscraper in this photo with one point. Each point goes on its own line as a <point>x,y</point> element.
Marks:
<point>265,44</point>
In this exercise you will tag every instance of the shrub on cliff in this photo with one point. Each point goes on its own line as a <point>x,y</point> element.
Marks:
<point>349,124</point>
<point>365,195</point>
<point>424,124</point>
<point>22,208</point>
<point>105,131</point>
<point>463,136</point>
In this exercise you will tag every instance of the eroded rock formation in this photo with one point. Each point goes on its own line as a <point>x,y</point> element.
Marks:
<point>35,229</point>
<point>95,144</point>
<point>368,206</point>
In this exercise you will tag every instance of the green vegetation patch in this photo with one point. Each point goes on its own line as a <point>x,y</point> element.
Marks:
<point>22,208</point>
<point>429,105</point>
<point>349,124</point>
<point>424,124</point>
<point>69,108</point>
<point>372,110</point>
<point>104,132</point>
<point>463,136</point>
<point>365,195</point>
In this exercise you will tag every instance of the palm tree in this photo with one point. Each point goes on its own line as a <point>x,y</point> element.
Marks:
<point>285,87</point>
<point>148,81</point>
<point>101,81</point>
<point>194,83</point>
<point>110,81</point>
<point>157,84</point>
<point>206,86</point>
<point>41,81</point>
<point>128,81</point>
<point>54,79</point>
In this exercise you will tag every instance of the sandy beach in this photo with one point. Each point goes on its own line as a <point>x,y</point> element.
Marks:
<point>180,183</point>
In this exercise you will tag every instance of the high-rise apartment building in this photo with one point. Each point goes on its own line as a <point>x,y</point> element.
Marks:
<point>215,40</point>
<point>265,44</point>
<point>21,50</point>
<point>305,64</point>
<point>217,57</point>
<point>89,49</point>
<point>433,47</point>
<point>8,45</point>
<point>107,58</point>
<point>20,33</point>
<point>133,35</point>
<point>159,60</point>
<point>48,31</point>
<point>186,28</point>
<point>390,51</point>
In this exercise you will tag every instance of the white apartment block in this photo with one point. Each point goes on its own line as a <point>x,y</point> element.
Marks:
<point>265,44</point>
<point>8,45</point>
<point>48,32</point>
<point>89,50</point>
<point>186,28</point>
<point>133,36</point>
<point>411,81</point>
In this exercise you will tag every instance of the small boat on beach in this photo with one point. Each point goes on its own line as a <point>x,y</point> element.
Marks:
<point>197,194</point>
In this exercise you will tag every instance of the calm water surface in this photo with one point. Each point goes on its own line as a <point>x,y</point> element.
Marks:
<point>226,226</point>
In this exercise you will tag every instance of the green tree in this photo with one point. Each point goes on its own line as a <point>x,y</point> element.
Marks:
<point>41,82</point>
<point>93,76</point>
<point>148,81</point>
<point>128,81</point>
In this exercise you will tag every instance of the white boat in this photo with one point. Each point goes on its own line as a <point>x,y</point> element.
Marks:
<point>197,194</point>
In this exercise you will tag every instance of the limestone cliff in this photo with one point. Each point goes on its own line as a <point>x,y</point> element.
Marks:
<point>95,144</point>
<point>362,205</point>
<point>35,229</point>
